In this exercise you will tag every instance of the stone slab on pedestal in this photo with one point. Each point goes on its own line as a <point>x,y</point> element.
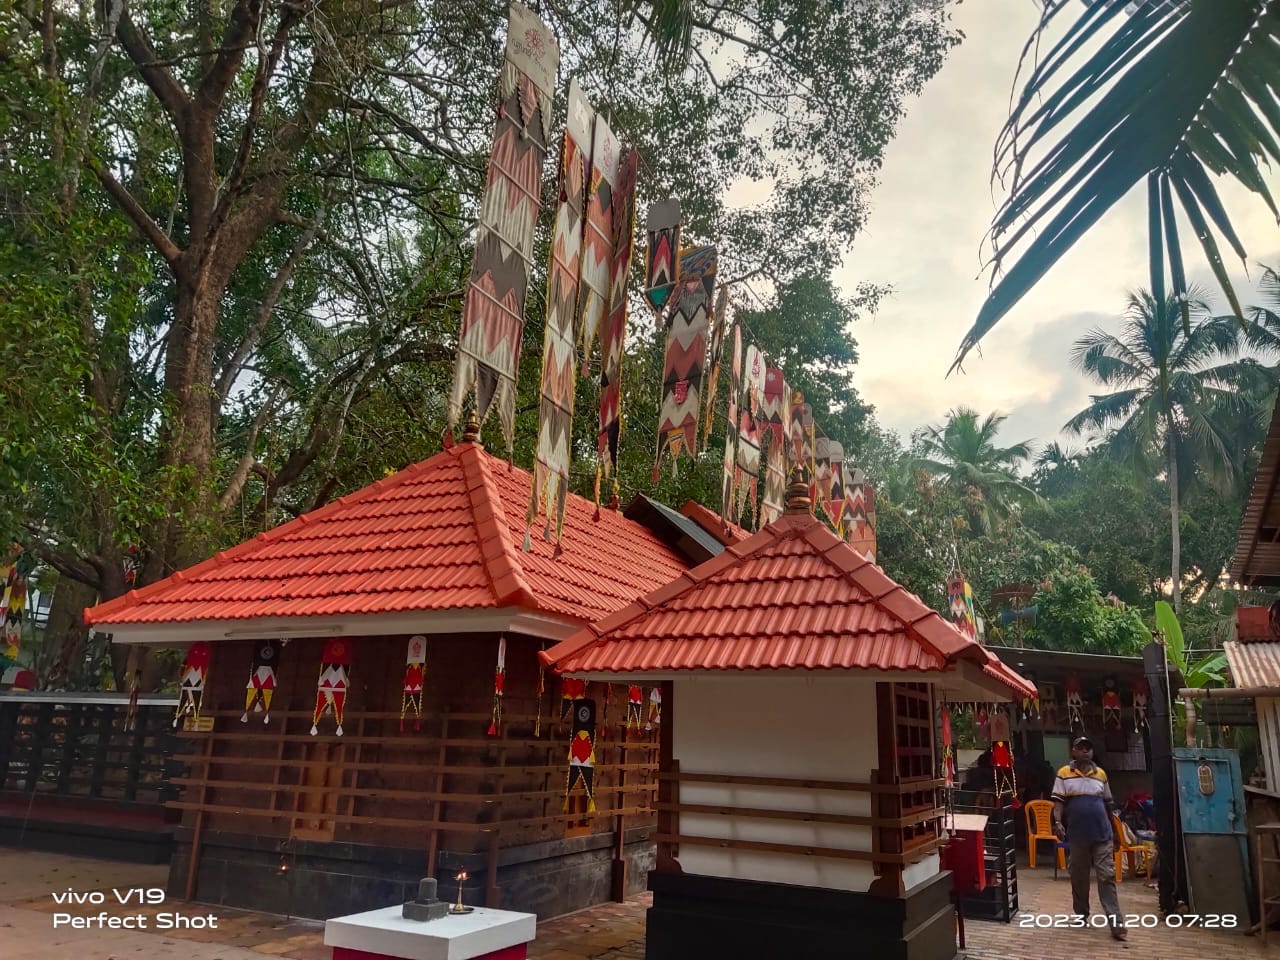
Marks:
<point>384,934</point>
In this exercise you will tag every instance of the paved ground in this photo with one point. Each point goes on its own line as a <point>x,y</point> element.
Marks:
<point>607,932</point>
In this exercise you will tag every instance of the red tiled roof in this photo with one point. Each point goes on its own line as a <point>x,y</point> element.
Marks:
<point>710,521</point>
<point>443,534</point>
<point>793,596</point>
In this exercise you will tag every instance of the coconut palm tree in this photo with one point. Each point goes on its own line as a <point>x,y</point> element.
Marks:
<point>963,452</point>
<point>1170,93</point>
<point>1175,400</point>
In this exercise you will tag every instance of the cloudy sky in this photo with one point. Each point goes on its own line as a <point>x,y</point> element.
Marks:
<point>931,211</point>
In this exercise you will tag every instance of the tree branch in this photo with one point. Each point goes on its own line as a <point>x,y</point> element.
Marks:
<point>149,229</point>
<point>167,90</point>
<point>213,88</point>
<point>86,570</point>
<point>235,486</point>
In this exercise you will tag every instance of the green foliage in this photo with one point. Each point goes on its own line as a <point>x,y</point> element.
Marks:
<point>1072,616</point>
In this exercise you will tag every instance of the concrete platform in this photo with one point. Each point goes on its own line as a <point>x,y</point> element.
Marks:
<point>384,933</point>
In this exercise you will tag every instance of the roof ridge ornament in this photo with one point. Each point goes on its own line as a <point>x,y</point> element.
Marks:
<point>798,501</point>
<point>471,432</point>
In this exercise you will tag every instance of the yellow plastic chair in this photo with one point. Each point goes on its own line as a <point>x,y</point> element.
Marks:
<point>1039,829</point>
<point>1127,846</point>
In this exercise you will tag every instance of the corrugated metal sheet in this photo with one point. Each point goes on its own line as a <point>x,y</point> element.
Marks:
<point>444,534</point>
<point>1254,664</point>
<point>794,596</point>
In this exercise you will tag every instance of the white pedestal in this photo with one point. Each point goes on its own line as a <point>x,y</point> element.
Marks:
<point>385,935</point>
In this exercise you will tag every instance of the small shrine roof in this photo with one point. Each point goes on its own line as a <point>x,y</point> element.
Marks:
<point>443,534</point>
<point>792,597</point>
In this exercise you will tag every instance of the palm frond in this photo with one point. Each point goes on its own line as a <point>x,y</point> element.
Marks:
<point>1170,94</point>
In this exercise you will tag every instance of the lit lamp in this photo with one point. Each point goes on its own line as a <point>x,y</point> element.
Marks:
<point>458,907</point>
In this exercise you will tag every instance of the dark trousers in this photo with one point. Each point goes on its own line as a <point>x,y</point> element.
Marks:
<point>1099,858</point>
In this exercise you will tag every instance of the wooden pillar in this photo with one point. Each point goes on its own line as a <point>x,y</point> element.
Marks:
<point>668,785</point>
<point>1172,882</point>
<point>618,875</point>
<point>197,835</point>
<point>886,803</point>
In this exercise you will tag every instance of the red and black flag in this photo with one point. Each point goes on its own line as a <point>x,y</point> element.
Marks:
<point>331,687</point>
<point>582,752</point>
<point>194,671</point>
<point>571,691</point>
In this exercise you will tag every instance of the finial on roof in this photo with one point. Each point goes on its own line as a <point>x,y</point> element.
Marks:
<point>798,501</point>
<point>471,432</point>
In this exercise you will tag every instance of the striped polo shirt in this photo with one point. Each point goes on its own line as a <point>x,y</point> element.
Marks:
<point>1086,798</point>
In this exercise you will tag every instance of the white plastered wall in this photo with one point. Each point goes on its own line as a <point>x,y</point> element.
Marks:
<point>765,725</point>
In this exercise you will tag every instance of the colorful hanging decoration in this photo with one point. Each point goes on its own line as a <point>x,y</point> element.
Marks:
<point>1048,698</point>
<point>801,449</point>
<point>131,563</point>
<point>635,706</point>
<point>571,691</point>
<point>777,425</point>
<point>687,324</point>
<point>331,688</point>
<point>555,410</point>
<point>195,670</point>
<point>731,431</point>
<point>1110,704</point>
<point>960,601</point>
<point>15,601</point>
<point>746,465</point>
<point>1006,782</point>
<point>614,333</point>
<point>415,673</point>
<point>493,308</point>
<point>661,259</point>
<point>582,753</point>
<point>950,780</point>
<point>131,711</point>
<point>1141,691</point>
<point>860,513</point>
<point>597,245</point>
<point>499,683</point>
<point>1031,704</point>
<point>1075,700</point>
<point>655,709</point>
<point>720,318</point>
<point>262,680</point>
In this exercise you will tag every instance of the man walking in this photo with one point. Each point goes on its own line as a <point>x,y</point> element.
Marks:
<point>1082,807</point>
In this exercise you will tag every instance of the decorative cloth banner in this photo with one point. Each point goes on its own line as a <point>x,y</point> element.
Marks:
<point>833,500</point>
<point>687,322</point>
<point>15,601</point>
<point>331,688</point>
<point>415,673</point>
<point>655,709</point>
<point>614,333</point>
<point>571,691</point>
<point>746,467</point>
<point>1110,704</point>
<point>802,439</point>
<point>727,482</point>
<point>597,245</point>
<point>1047,695</point>
<point>499,685</point>
<point>860,513</point>
<point>777,417</point>
<point>720,318</point>
<point>948,754</point>
<point>1141,690</point>
<point>1031,704</point>
<point>582,753</point>
<point>661,261</point>
<point>555,411</point>
<point>635,706</point>
<point>1006,782</point>
<point>262,680</point>
<point>1075,700</point>
<point>960,600</point>
<point>195,669</point>
<point>493,309</point>
<point>131,563</point>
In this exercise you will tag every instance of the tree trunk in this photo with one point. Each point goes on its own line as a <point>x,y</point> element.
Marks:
<point>1175,532</point>
<point>67,634</point>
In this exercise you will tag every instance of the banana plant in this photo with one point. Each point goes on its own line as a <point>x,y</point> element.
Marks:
<point>1209,669</point>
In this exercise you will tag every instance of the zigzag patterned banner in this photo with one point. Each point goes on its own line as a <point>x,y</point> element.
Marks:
<point>597,246</point>
<point>614,332</point>
<point>746,472</point>
<point>688,322</point>
<point>730,430</point>
<point>831,492</point>
<point>493,310</point>
<point>778,424</point>
<point>661,263</point>
<point>555,412</point>
<point>860,514</point>
<point>717,354</point>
